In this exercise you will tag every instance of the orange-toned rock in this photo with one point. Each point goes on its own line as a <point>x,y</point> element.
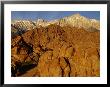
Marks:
<point>69,52</point>
<point>37,50</point>
<point>15,40</point>
<point>14,50</point>
<point>55,69</point>
<point>58,52</point>
<point>28,36</point>
<point>63,63</point>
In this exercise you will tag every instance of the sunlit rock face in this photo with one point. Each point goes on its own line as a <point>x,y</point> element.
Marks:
<point>68,47</point>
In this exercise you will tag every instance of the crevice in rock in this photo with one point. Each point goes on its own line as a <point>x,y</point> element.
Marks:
<point>98,53</point>
<point>68,63</point>
<point>62,70</point>
<point>22,43</point>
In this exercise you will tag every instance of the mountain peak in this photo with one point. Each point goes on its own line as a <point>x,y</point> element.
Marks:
<point>75,20</point>
<point>41,20</point>
<point>76,15</point>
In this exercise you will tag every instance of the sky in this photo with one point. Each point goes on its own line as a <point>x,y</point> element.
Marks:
<point>51,15</point>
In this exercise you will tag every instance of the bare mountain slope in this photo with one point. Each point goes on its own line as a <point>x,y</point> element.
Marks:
<point>56,51</point>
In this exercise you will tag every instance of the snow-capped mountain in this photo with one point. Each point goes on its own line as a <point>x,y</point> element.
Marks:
<point>80,22</point>
<point>74,21</point>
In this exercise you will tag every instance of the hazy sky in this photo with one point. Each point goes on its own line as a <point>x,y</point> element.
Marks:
<point>51,15</point>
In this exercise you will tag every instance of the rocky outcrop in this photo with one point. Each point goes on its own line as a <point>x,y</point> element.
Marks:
<point>56,51</point>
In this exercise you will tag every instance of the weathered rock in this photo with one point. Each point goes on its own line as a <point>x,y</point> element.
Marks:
<point>14,50</point>
<point>58,52</point>
<point>63,63</point>
<point>28,36</point>
<point>15,41</point>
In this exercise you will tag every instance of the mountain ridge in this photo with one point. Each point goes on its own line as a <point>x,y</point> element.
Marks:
<point>75,20</point>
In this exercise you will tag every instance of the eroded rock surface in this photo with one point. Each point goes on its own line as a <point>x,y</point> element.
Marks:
<point>56,51</point>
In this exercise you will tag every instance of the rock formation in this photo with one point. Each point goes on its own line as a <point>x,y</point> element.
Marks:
<point>57,51</point>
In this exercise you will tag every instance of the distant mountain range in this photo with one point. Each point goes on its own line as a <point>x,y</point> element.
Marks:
<point>75,20</point>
